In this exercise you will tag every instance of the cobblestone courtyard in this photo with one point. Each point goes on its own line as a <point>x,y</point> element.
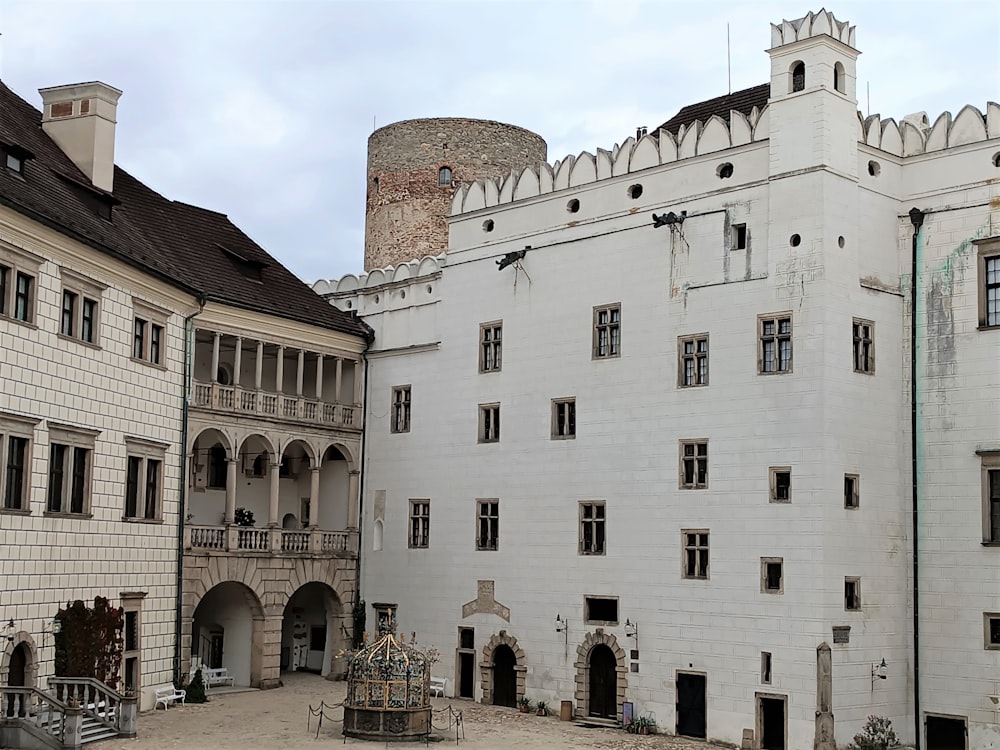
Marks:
<point>276,719</point>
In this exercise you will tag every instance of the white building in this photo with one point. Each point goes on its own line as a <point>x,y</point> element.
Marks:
<point>700,501</point>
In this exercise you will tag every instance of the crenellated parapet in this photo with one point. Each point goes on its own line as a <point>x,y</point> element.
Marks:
<point>386,288</point>
<point>811,25</point>
<point>915,135</point>
<point>652,150</point>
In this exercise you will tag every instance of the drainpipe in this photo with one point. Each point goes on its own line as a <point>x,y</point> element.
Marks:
<point>917,220</point>
<point>361,487</point>
<point>182,489</point>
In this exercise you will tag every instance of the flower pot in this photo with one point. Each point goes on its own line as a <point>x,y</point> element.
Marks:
<point>540,712</point>
<point>524,709</point>
<point>643,730</point>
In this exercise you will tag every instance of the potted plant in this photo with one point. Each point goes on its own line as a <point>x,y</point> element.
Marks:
<point>541,708</point>
<point>244,517</point>
<point>524,704</point>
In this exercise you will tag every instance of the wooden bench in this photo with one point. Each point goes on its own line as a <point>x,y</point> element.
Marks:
<point>438,686</point>
<point>217,676</point>
<point>168,695</point>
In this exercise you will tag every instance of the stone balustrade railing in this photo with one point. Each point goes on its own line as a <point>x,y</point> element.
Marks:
<point>240,400</point>
<point>251,540</point>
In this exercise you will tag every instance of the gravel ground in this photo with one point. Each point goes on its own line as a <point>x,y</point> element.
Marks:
<point>276,719</point>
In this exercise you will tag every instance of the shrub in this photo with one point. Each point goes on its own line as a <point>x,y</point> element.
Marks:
<point>876,734</point>
<point>244,517</point>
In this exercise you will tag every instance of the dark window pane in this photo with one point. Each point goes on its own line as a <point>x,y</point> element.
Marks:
<point>57,464</point>
<point>132,486</point>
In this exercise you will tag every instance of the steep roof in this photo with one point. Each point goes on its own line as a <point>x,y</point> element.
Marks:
<point>742,101</point>
<point>194,249</point>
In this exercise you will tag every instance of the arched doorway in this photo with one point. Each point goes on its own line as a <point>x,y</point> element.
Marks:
<point>17,674</point>
<point>227,631</point>
<point>603,682</point>
<point>312,629</point>
<point>504,677</point>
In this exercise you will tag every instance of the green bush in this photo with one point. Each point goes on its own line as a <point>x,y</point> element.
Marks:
<point>876,734</point>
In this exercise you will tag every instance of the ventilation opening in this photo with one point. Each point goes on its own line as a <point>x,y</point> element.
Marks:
<point>725,171</point>
<point>874,168</point>
<point>798,76</point>
<point>794,240</point>
<point>996,159</point>
<point>488,225</point>
<point>573,206</point>
<point>635,191</point>
<point>840,241</point>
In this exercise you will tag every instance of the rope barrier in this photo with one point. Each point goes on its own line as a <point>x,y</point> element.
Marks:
<point>320,711</point>
<point>455,719</point>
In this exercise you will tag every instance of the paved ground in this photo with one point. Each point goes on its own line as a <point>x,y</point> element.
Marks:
<point>276,719</point>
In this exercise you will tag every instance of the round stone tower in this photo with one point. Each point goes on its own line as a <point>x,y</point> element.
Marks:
<point>414,167</point>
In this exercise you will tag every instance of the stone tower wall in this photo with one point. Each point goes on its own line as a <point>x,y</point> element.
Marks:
<point>406,208</point>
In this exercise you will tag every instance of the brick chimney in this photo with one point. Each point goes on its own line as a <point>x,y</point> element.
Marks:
<point>80,118</point>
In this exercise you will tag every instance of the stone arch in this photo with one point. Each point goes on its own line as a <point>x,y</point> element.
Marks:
<point>331,572</point>
<point>267,442</point>
<point>486,666</point>
<point>344,449</point>
<point>227,440</point>
<point>308,448</point>
<point>299,622</point>
<point>582,664</point>
<point>31,669</point>
<point>247,667</point>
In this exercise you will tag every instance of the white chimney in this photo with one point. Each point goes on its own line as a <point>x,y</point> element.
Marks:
<point>80,118</point>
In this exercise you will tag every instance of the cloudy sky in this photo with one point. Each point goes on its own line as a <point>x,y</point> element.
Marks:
<point>262,110</point>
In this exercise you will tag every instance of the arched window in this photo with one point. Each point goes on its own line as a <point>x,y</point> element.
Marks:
<point>798,76</point>
<point>838,77</point>
<point>444,177</point>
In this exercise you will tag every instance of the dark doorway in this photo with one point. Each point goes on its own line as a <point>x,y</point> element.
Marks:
<point>691,705</point>
<point>945,733</point>
<point>504,677</point>
<point>17,676</point>
<point>603,696</point>
<point>466,674</point>
<point>772,723</point>
<point>215,641</point>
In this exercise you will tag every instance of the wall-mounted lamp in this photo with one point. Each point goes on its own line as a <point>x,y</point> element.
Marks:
<point>631,629</point>
<point>879,672</point>
<point>561,627</point>
<point>9,630</point>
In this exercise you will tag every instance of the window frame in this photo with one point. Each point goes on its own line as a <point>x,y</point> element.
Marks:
<point>853,502</point>
<point>489,423</point>
<point>777,337</point>
<point>766,668</point>
<point>16,426</point>
<point>131,603</point>
<point>595,522</point>
<point>764,562</point>
<point>156,321</point>
<point>445,170</point>
<point>604,623</point>
<point>700,550</point>
<point>739,230</point>
<point>987,641</point>
<point>696,356</point>
<point>988,250</point>
<point>15,264</point>
<point>773,486</point>
<point>863,345</point>
<point>613,326</point>
<point>492,518</point>
<point>852,604</point>
<point>146,451</point>
<point>696,458</point>
<point>73,439</point>
<point>491,349</point>
<point>989,473</point>
<point>400,409</point>
<point>423,519</point>
<point>566,422</point>
<point>14,162</point>
<point>83,290</point>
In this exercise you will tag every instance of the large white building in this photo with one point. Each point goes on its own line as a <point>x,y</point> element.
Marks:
<point>668,461</point>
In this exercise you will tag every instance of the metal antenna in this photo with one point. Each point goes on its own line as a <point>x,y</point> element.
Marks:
<point>729,60</point>
<point>868,85</point>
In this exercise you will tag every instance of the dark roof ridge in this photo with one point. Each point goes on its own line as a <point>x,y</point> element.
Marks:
<point>742,101</point>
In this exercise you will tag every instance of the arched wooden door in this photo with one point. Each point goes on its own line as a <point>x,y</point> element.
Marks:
<point>504,677</point>
<point>603,697</point>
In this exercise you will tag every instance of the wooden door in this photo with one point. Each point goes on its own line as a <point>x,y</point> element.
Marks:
<point>504,677</point>
<point>603,696</point>
<point>691,705</point>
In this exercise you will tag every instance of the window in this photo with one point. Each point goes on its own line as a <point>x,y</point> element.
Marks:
<point>991,626</point>
<point>989,284</point>
<point>852,594</point>
<point>798,76</point>
<point>489,524</point>
<point>600,610</point>
<point>563,418</point>
<point>444,177</point>
<point>17,284</point>
<point>775,347</point>
<point>144,480</point>
<point>420,523</point>
<point>592,533</point>
<point>489,423</point>
<point>692,368</point>
<point>607,331</point>
<point>838,77</point>
<point>852,491</point>
<point>991,496</point>
<point>80,305</point>
<point>695,542</point>
<point>490,341</point>
<point>384,612</point>
<point>864,346</point>
<point>765,667</point>
<point>772,579</point>
<point>148,330</point>
<point>132,640</point>
<point>15,460</point>
<point>739,237</point>
<point>694,464</point>
<point>14,163</point>
<point>781,484</point>
<point>400,420</point>
<point>70,466</point>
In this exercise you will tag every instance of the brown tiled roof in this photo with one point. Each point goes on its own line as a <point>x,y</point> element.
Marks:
<point>191,248</point>
<point>742,101</point>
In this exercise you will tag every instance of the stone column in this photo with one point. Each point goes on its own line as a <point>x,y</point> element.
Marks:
<point>314,496</point>
<point>299,373</point>
<point>319,377</point>
<point>357,381</point>
<point>279,376</point>
<point>73,728</point>
<point>354,505</point>
<point>339,369</point>
<point>272,508</point>
<point>215,357</point>
<point>127,715</point>
<point>238,360</point>
<point>259,374</point>
<point>231,490</point>
<point>265,652</point>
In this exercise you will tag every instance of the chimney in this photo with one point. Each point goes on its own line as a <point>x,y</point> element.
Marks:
<point>80,118</point>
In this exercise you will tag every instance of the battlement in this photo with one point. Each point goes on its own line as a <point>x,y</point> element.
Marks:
<point>810,25</point>
<point>397,277</point>
<point>915,135</point>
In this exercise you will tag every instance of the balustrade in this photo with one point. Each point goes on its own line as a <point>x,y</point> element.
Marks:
<point>247,401</point>
<point>270,540</point>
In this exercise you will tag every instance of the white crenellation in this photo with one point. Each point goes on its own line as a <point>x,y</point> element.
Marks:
<point>811,25</point>
<point>349,286</point>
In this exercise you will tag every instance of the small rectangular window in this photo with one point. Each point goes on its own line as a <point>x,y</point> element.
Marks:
<point>466,638</point>
<point>139,339</point>
<point>990,462</point>
<point>695,551</point>
<point>774,350</point>
<point>149,333</point>
<point>765,667</point>
<point>852,491</point>
<point>18,271</point>
<point>592,530</point>
<point>739,240</point>
<point>852,594</point>
<point>563,418</point>
<point>70,458</point>
<point>68,310</point>
<point>694,464</point>
<point>80,306</point>
<point>16,471</point>
<point>989,284</point>
<point>490,346</point>
<point>489,423</point>
<point>24,298</point>
<point>772,579</point>
<point>864,346</point>
<point>400,418</point>
<point>14,163</point>
<point>155,343</point>
<point>991,626</point>
<point>488,531</point>
<point>781,484</point>
<point>600,610</point>
<point>692,364</point>
<point>420,524</point>
<point>607,331</point>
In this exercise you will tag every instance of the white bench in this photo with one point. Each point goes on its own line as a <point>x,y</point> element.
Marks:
<point>168,695</point>
<point>438,686</point>
<point>217,676</point>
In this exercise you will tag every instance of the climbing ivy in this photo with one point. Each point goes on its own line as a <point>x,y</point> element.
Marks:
<point>89,642</point>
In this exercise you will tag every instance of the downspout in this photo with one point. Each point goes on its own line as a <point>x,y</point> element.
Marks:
<point>917,220</point>
<point>370,337</point>
<point>182,489</point>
